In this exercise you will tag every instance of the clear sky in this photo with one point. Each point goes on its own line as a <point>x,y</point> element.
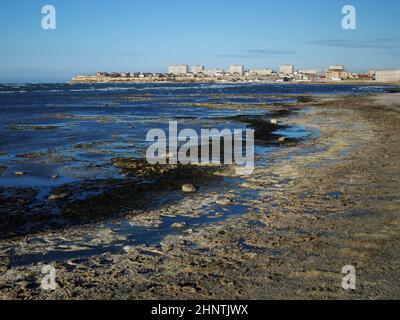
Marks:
<point>148,35</point>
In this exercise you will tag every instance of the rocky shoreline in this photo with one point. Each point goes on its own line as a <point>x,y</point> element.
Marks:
<point>66,205</point>
<point>324,202</point>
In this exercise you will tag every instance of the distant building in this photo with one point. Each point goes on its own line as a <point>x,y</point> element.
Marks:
<point>115,75</point>
<point>214,72</point>
<point>125,74</point>
<point>309,71</point>
<point>286,69</point>
<point>102,74</point>
<point>363,76</point>
<point>178,69</point>
<point>197,69</point>
<point>236,69</point>
<point>337,67</point>
<point>260,72</point>
<point>310,74</point>
<point>337,72</point>
<point>387,75</point>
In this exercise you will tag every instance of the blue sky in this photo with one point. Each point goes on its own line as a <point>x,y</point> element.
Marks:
<point>148,35</point>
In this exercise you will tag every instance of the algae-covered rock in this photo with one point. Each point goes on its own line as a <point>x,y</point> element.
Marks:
<point>141,167</point>
<point>2,169</point>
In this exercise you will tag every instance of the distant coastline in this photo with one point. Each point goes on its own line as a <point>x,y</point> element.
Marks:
<point>287,73</point>
<point>96,79</point>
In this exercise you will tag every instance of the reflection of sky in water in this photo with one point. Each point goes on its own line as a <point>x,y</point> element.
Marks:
<point>296,132</point>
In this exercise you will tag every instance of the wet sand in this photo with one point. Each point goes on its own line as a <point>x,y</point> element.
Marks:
<point>315,206</point>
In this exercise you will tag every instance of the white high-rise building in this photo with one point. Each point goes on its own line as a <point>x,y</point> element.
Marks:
<point>286,69</point>
<point>197,69</point>
<point>236,69</point>
<point>387,75</point>
<point>178,69</point>
<point>214,72</point>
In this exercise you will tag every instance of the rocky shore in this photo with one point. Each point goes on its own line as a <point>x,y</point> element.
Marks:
<point>311,207</point>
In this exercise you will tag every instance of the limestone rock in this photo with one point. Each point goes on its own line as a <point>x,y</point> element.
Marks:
<point>179,225</point>
<point>188,188</point>
<point>58,196</point>
<point>223,201</point>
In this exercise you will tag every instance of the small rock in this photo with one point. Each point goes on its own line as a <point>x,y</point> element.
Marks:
<point>188,188</point>
<point>274,121</point>
<point>2,169</point>
<point>224,201</point>
<point>20,173</point>
<point>128,249</point>
<point>282,139</point>
<point>179,225</point>
<point>58,196</point>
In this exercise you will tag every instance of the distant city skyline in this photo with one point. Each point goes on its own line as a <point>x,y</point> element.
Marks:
<point>149,36</point>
